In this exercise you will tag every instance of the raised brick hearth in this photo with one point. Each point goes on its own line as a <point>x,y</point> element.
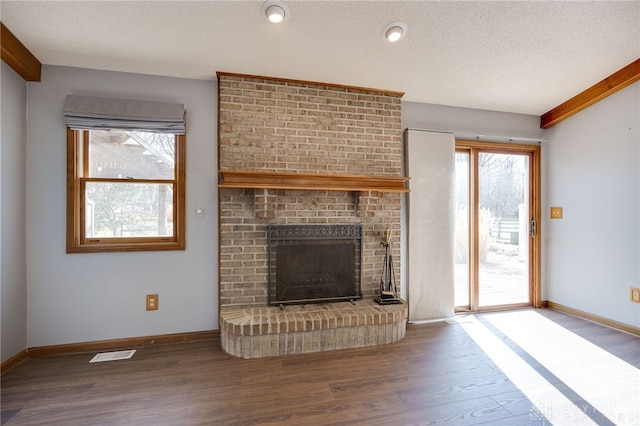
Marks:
<point>270,331</point>
<point>269,125</point>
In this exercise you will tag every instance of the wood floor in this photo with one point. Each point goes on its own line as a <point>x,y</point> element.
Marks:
<point>437,374</point>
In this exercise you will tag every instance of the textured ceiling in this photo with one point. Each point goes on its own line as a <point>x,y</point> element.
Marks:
<point>514,56</point>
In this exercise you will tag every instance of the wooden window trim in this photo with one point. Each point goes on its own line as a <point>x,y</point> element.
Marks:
<point>76,243</point>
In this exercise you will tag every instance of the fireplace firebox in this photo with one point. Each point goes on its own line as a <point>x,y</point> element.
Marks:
<point>314,263</point>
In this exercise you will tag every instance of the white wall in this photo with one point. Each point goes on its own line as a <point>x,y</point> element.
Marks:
<point>13,270</point>
<point>593,172</point>
<point>463,122</point>
<point>98,296</point>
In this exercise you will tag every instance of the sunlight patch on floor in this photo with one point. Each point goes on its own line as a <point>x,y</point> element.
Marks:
<point>610,384</point>
<point>535,387</point>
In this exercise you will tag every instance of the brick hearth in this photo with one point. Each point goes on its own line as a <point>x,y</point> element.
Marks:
<point>270,331</point>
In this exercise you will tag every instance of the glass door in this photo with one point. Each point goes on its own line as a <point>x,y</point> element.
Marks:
<point>462,271</point>
<point>503,224</point>
<point>495,215</point>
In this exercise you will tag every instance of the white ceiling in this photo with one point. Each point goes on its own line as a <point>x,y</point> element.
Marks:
<point>514,56</point>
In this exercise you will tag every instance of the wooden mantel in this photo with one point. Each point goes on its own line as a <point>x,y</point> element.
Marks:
<point>303,181</point>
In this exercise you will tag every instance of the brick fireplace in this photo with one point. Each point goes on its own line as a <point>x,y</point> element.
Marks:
<point>304,153</point>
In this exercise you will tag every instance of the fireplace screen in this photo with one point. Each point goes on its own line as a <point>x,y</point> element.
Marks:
<point>314,263</point>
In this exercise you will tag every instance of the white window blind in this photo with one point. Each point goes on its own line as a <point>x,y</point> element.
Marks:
<point>91,113</point>
<point>430,163</point>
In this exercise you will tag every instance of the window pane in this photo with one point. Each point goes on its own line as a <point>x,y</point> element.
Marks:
<point>128,154</point>
<point>461,245</point>
<point>503,187</point>
<point>128,210</point>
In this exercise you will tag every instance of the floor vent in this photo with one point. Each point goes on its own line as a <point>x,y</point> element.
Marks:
<point>113,356</point>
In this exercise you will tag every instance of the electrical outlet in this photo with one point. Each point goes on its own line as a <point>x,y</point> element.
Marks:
<point>635,295</point>
<point>152,302</point>
<point>556,212</point>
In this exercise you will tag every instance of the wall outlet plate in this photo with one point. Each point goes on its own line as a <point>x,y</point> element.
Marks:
<point>152,302</point>
<point>634,295</point>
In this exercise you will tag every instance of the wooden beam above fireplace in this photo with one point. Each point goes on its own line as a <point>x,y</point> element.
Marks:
<point>303,181</point>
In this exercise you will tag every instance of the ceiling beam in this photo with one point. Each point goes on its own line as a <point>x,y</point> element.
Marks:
<point>616,81</point>
<point>17,56</point>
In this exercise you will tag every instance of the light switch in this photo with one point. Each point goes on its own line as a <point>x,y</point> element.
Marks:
<point>200,212</point>
<point>556,212</point>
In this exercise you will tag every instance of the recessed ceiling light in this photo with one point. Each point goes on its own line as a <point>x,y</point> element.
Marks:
<point>275,11</point>
<point>394,31</point>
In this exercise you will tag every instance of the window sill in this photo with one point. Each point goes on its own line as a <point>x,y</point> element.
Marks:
<point>125,247</point>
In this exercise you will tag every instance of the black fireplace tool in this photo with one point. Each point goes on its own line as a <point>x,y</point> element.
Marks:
<point>388,288</point>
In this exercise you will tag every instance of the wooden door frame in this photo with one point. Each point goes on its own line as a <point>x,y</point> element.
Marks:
<point>535,243</point>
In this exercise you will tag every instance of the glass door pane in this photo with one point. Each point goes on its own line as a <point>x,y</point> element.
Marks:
<point>503,219</point>
<point>461,243</point>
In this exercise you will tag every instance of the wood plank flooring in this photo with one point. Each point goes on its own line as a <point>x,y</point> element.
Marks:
<point>437,374</point>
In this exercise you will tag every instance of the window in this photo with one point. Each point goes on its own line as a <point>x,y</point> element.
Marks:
<point>125,190</point>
